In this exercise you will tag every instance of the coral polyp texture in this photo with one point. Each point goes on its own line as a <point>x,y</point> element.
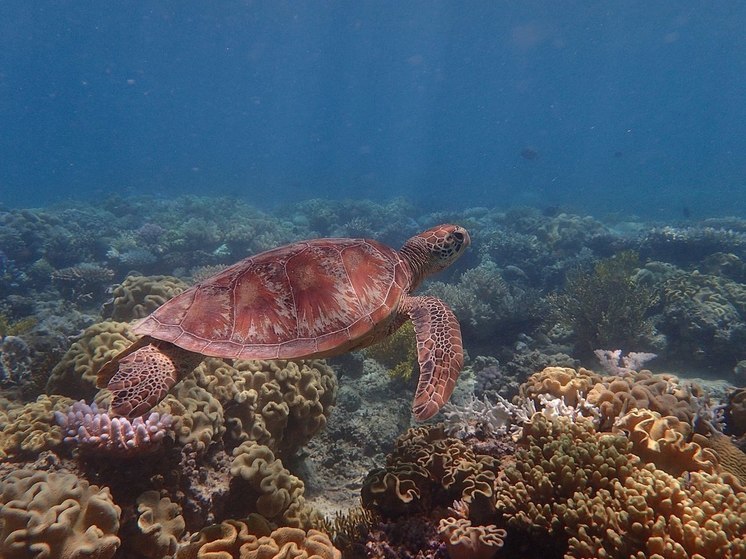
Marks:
<point>95,431</point>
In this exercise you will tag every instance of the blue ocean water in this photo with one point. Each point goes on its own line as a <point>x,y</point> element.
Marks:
<point>601,107</point>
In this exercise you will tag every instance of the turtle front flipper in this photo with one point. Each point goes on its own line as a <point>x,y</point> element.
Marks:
<point>146,375</point>
<point>439,351</point>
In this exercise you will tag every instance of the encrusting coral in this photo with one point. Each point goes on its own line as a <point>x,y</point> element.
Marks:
<point>56,515</point>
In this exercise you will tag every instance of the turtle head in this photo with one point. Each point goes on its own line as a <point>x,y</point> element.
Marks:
<point>435,249</point>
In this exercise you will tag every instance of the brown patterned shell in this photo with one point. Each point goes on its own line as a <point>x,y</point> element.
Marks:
<point>308,299</point>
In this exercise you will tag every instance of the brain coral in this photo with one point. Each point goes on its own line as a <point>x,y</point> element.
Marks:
<point>252,538</point>
<point>30,428</point>
<point>597,499</point>
<point>56,515</point>
<point>75,374</point>
<point>281,404</point>
<point>138,296</point>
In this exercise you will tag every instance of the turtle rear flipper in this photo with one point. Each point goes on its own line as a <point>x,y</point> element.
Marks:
<point>146,375</point>
<point>439,351</point>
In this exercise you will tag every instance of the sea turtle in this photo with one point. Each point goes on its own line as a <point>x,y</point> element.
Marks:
<point>309,299</point>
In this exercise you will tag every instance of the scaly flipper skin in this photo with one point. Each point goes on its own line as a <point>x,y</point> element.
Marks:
<point>145,376</point>
<point>439,351</point>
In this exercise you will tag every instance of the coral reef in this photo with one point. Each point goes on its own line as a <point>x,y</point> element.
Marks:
<point>606,308</point>
<point>27,429</point>
<point>138,296</point>
<point>75,374</point>
<point>94,431</point>
<point>56,515</point>
<point>160,526</point>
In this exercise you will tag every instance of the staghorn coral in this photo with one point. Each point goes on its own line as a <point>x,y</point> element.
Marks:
<point>138,296</point>
<point>96,432</point>
<point>590,494</point>
<point>56,515</point>
<point>75,374</point>
<point>261,480</point>
<point>465,541</point>
<point>281,404</point>
<point>664,442</point>
<point>252,538</point>
<point>28,429</point>
<point>160,526</point>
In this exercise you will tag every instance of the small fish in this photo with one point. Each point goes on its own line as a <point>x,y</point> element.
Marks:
<point>529,153</point>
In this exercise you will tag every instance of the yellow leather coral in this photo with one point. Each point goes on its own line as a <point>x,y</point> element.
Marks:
<point>56,515</point>
<point>75,374</point>
<point>28,429</point>
<point>138,296</point>
<point>664,442</point>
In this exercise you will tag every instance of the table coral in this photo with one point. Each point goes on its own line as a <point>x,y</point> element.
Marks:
<point>56,515</point>
<point>75,374</point>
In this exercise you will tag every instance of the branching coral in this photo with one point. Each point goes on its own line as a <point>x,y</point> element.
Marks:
<point>398,352</point>
<point>606,308</point>
<point>96,432</point>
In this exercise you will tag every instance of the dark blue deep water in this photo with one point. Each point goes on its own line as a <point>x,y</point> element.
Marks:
<point>601,107</point>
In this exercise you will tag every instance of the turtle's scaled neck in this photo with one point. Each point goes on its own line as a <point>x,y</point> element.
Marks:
<point>416,253</point>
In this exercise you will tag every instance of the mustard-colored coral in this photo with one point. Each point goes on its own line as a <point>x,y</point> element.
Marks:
<point>664,442</point>
<point>160,526</point>
<point>252,539</point>
<point>560,382</point>
<point>592,495</point>
<point>138,296</point>
<point>75,374</point>
<point>465,541</point>
<point>397,352</point>
<point>281,404</point>
<point>261,481</point>
<point>27,429</point>
<point>56,515</point>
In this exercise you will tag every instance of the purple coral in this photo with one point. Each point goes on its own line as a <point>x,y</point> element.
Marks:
<point>97,432</point>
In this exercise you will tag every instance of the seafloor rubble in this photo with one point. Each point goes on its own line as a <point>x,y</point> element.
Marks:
<point>536,457</point>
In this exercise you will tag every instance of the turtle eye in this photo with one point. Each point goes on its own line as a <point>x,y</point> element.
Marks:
<point>458,236</point>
